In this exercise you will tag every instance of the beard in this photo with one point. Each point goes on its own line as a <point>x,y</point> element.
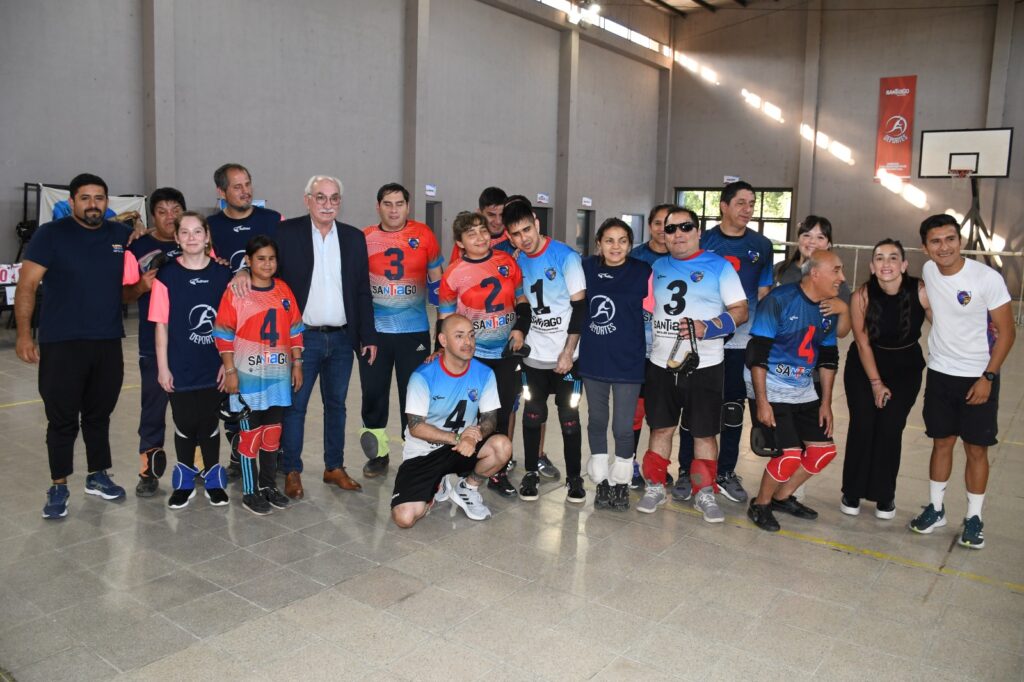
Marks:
<point>93,218</point>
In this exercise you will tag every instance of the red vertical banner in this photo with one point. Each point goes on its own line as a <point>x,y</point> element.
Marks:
<point>895,143</point>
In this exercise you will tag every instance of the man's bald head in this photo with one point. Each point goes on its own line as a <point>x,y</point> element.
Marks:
<point>457,337</point>
<point>453,322</point>
<point>817,259</point>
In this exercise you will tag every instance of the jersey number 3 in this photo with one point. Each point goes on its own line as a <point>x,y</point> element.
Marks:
<point>678,302</point>
<point>396,262</point>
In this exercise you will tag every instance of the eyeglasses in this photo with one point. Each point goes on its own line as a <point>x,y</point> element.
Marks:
<point>685,227</point>
<point>322,199</point>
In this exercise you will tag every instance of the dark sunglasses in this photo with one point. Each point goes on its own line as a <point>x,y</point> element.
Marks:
<point>685,227</point>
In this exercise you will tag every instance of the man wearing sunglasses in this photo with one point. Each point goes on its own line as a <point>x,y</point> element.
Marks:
<point>751,255</point>
<point>698,290</point>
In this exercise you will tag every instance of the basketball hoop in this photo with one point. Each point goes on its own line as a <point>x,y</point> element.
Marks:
<point>961,178</point>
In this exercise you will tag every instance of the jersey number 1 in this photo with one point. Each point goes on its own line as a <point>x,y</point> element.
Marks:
<point>537,289</point>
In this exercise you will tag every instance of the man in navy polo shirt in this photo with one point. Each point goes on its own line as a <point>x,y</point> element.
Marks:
<point>80,329</point>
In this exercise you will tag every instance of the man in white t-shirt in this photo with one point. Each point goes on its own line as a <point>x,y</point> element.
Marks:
<point>972,333</point>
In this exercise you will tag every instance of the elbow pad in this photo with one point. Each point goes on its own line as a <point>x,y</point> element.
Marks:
<point>524,315</point>
<point>828,358</point>
<point>579,309</point>
<point>758,349</point>
<point>434,292</point>
<point>720,326</point>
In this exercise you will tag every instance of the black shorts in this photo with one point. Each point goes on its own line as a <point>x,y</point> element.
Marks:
<point>795,424</point>
<point>417,478</point>
<point>697,397</point>
<point>946,412</point>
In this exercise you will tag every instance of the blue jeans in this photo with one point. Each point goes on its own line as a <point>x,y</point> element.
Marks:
<point>328,355</point>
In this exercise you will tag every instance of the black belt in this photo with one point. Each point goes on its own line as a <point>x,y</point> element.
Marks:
<point>326,329</point>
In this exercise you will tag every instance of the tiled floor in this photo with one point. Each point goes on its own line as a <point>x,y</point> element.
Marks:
<point>329,589</point>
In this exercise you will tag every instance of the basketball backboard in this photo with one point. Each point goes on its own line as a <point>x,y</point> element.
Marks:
<point>983,152</point>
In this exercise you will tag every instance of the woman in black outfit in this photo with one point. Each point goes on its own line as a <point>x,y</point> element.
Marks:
<point>882,378</point>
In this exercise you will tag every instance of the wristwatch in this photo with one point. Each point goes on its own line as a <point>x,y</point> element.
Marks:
<point>991,376</point>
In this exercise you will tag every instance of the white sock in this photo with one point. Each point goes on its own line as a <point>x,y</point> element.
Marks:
<point>974,502</point>
<point>465,481</point>
<point>937,491</point>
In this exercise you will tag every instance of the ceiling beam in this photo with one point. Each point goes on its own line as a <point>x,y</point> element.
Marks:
<point>706,5</point>
<point>741,2</point>
<point>670,8</point>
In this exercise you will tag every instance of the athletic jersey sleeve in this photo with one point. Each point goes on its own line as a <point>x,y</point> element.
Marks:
<point>448,297</point>
<point>575,280</point>
<point>767,278</point>
<point>995,292</point>
<point>226,324</point>
<point>730,287</point>
<point>131,269</point>
<point>489,396</point>
<point>159,303</point>
<point>517,278</point>
<point>434,257</point>
<point>40,248</point>
<point>417,395</point>
<point>766,323</point>
<point>649,298</point>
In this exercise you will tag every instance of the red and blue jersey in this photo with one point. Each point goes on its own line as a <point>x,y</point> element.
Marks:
<point>399,262</point>
<point>261,329</point>
<point>751,254</point>
<point>451,402</point>
<point>799,332</point>
<point>230,235</point>
<point>485,291</point>
<point>186,301</point>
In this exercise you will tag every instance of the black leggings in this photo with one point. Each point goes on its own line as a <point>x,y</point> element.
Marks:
<point>196,418</point>
<point>542,383</point>
<point>510,384</point>
<point>398,353</point>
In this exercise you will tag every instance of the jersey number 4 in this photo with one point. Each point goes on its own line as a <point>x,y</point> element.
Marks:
<point>806,350</point>
<point>457,419</point>
<point>268,330</point>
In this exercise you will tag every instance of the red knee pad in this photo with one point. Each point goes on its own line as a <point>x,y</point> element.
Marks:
<point>249,442</point>
<point>783,467</point>
<point>271,438</point>
<point>817,457</point>
<point>638,415</point>
<point>654,467</point>
<point>703,473</point>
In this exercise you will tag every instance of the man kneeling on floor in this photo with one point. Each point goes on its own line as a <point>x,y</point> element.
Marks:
<point>445,396</point>
<point>790,337</point>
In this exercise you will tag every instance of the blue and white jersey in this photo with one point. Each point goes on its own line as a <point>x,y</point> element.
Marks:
<point>648,255</point>
<point>550,277</point>
<point>751,254</point>
<point>699,287</point>
<point>799,331</point>
<point>451,402</point>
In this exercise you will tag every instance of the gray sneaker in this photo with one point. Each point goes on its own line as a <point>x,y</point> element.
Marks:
<point>683,488</point>
<point>653,497</point>
<point>731,485</point>
<point>705,503</point>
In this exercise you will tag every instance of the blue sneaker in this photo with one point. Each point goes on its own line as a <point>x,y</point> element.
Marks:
<point>100,484</point>
<point>973,536</point>
<point>56,502</point>
<point>928,520</point>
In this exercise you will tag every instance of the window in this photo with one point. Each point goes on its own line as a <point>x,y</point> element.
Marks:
<point>772,211</point>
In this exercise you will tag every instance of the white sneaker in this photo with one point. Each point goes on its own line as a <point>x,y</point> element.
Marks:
<point>654,496</point>
<point>470,501</point>
<point>705,503</point>
<point>444,490</point>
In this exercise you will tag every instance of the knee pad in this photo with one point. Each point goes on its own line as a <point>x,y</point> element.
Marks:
<point>271,441</point>
<point>654,467</point>
<point>215,477</point>
<point>382,440</point>
<point>570,427</point>
<point>732,414</point>
<point>817,457</point>
<point>249,442</point>
<point>597,468</point>
<point>183,477</point>
<point>783,467</point>
<point>638,415</point>
<point>534,416</point>
<point>703,473</point>
<point>622,471</point>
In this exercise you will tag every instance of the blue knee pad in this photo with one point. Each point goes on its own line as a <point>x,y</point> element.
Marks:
<point>183,477</point>
<point>215,477</point>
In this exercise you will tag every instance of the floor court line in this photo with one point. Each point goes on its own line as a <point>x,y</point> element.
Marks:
<point>39,400</point>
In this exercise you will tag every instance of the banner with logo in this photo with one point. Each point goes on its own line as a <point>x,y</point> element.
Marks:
<point>894,145</point>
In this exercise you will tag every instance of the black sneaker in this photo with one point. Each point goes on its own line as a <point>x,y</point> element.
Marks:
<point>850,507</point>
<point>257,504</point>
<point>603,496</point>
<point>886,510</point>
<point>218,497</point>
<point>510,467</point>
<point>620,497</point>
<point>500,483</point>
<point>147,486</point>
<point>546,469</point>
<point>378,466</point>
<point>576,494</point>
<point>180,498</point>
<point>794,507</point>
<point>274,497</point>
<point>528,488</point>
<point>761,515</point>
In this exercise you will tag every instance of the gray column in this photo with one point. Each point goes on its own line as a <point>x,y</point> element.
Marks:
<point>158,79</point>
<point>417,33</point>
<point>1002,44</point>
<point>662,190</point>
<point>567,191</point>
<point>809,111</point>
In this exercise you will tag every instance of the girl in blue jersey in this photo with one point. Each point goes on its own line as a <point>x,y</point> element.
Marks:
<point>612,354</point>
<point>183,304</point>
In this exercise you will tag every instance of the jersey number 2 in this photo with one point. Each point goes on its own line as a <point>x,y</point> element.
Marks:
<point>495,284</point>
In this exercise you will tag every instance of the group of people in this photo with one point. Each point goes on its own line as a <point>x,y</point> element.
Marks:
<point>241,312</point>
